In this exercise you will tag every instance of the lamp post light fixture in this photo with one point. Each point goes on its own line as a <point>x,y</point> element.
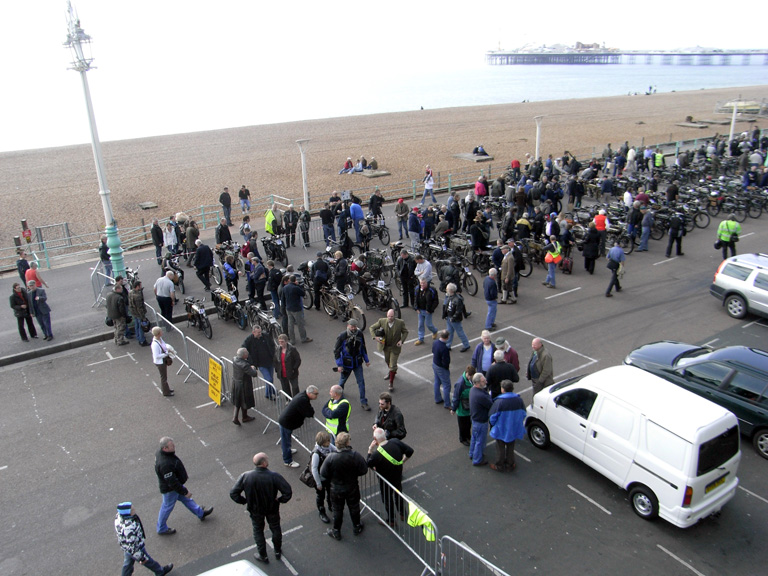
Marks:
<point>302,143</point>
<point>77,40</point>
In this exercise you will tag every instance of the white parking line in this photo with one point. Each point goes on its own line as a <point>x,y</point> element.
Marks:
<point>665,261</point>
<point>562,293</point>
<point>710,342</point>
<point>755,322</point>
<point>209,403</point>
<point>753,494</point>
<point>588,499</point>
<point>683,562</point>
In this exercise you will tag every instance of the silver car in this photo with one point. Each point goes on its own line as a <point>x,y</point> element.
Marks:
<point>741,284</point>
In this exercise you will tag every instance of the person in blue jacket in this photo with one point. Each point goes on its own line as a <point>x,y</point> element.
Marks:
<point>507,417</point>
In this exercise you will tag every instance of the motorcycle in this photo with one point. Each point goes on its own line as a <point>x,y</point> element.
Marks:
<point>171,263</point>
<point>275,249</point>
<point>377,295</point>
<point>197,316</point>
<point>228,308</point>
<point>263,318</point>
<point>230,249</point>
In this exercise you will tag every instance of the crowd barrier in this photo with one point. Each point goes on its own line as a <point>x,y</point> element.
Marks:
<point>98,283</point>
<point>458,559</point>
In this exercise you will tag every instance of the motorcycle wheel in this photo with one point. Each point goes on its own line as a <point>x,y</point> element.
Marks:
<point>395,305</point>
<point>241,318</point>
<point>253,316</point>
<point>470,284</point>
<point>181,284</point>
<point>384,236</point>
<point>274,332</point>
<point>205,325</point>
<point>527,267</point>
<point>357,314</point>
<point>309,297</point>
<point>284,257</point>
<point>399,283</point>
<point>216,274</point>
<point>701,220</point>
<point>239,266</point>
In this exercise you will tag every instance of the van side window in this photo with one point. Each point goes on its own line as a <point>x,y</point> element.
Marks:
<point>579,401</point>
<point>707,373</point>
<point>734,271</point>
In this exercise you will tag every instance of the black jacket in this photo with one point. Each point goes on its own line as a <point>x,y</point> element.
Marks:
<point>258,489</point>
<point>157,235</point>
<point>261,351</point>
<point>342,468</point>
<point>170,473</point>
<point>116,305</point>
<point>223,234</point>
<point>203,257</point>
<point>17,300</point>
<point>297,410</point>
<point>496,373</point>
<point>392,423</point>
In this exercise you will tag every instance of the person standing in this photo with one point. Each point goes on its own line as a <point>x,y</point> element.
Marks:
<point>441,364</point>
<point>104,257</point>
<point>592,248</point>
<point>172,476</point>
<point>259,490</point>
<point>425,301</point>
<point>165,292</point>
<point>203,260</point>
<point>226,205</point>
<point>727,235</point>
<point>117,313</point>
<point>401,213</point>
<point>320,274</point>
<point>479,407</point>
<point>138,311</point>
<point>261,351</point>
<point>507,418</point>
<point>676,233</point>
<point>292,418</point>
<point>327,220</point>
<point>130,535</point>
<point>274,279</point>
<point>390,418</point>
<point>242,386</point>
<point>287,361</point>
<point>491,293</point>
<point>553,258</point>
<point>414,227</point>
<point>291,222</point>
<point>244,195</point>
<point>33,273</point>
<point>305,219</point>
<point>170,238</point>
<point>500,371</point>
<point>405,270</point>
<point>482,357</point>
<point>192,234</point>
<point>222,233</point>
<point>337,411</point>
<point>37,300</point>
<point>323,447</point>
<point>157,240</point>
<point>616,259</point>
<point>453,313</point>
<point>510,354</point>
<point>390,333</point>
<point>647,224</point>
<point>350,354</point>
<point>429,186</point>
<point>460,405</point>
<point>540,371</point>
<point>387,456</point>
<point>20,306</point>
<point>294,307</point>
<point>341,470</point>
<point>22,265</point>
<point>162,358</point>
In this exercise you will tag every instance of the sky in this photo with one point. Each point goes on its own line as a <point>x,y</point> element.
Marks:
<point>174,66</point>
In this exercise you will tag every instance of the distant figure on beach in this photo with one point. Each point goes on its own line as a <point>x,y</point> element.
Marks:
<point>348,167</point>
<point>373,165</point>
<point>479,151</point>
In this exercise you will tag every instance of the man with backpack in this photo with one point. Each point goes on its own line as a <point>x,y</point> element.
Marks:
<point>454,313</point>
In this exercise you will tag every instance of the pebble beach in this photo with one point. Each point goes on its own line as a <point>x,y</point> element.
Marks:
<point>56,185</point>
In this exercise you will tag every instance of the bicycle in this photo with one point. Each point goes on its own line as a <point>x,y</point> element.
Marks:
<point>378,228</point>
<point>338,305</point>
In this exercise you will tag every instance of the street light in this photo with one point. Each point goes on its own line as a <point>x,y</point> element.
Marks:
<point>538,135</point>
<point>77,39</point>
<point>302,144</point>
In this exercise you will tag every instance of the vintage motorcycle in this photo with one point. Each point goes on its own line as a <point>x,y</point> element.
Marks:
<point>230,249</point>
<point>377,295</point>
<point>274,248</point>
<point>228,308</point>
<point>197,316</point>
<point>263,318</point>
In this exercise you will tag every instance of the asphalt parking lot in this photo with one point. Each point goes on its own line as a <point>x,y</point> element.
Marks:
<point>80,429</point>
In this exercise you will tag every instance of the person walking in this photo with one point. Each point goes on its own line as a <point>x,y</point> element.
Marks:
<point>387,456</point>
<point>591,248</point>
<point>262,491</point>
<point>441,364</point>
<point>390,333</point>
<point>323,447</point>
<point>553,257</point>
<point>425,301</point>
<point>172,476</point>
<point>676,233</point>
<point>453,313</point>
<point>117,313</point>
<point>37,300</point>
<point>162,357</point>
<point>165,293</point>
<point>341,470</point>
<point>242,385</point>
<point>287,360</point>
<point>130,536</point>
<point>507,418</point>
<point>429,186</point>
<point>728,234</point>
<point>294,307</point>
<point>292,418</point>
<point>491,293</point>
<point>261,351</point>
<point>20,306</point>
<point>244,195</point>
<point>350,354</point>
<point>540,371</point>
<point>616,259</point>
<point>460,404</point>
<point>203,261</point>
<point>414,227</point>
<point>138,311</point>
<point>479,407</point>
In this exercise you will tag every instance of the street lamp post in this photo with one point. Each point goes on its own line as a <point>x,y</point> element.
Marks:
<point>538,134</point>
<point>302,144</point>
<point>76,40</point>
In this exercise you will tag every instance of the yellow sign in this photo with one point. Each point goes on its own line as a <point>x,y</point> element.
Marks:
<point>214,380</point>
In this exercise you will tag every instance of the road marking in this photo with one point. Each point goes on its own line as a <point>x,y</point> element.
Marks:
<point>523,457</point>
<point>755,322</point>
<point>588,499</point>
<point>402,367</point>
<point>710,342</point>
<point>664,261</point>
<point>3,467</point>
<point>110,358</point>
<point>225,470</point>
<point>745,490</point>
<point>683,562</point>
<point>560,376</point>
<point>745,235</point>
<point>209,403</point>
<point>562,293</point>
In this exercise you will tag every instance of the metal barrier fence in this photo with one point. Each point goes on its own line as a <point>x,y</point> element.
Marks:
<point>172,336</point>
<point>98,283</point>
<point>458,559</point>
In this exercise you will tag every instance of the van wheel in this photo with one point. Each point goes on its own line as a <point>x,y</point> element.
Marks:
<point>644,502</point>
<point>538,435</point>
<point>760,442</point>
<point>735,306</point>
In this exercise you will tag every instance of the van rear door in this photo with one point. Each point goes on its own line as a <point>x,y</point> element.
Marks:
<point>612,437</point>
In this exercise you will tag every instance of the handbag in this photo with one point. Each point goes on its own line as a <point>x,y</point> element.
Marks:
<point>145,325</point>
<point>734,237</point>
<point>612,265</point>
<point>306,476</point>
<point>168,360</point>
<point>108,321</point>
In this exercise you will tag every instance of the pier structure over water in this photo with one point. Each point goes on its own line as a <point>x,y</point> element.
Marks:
<point>667,58</point>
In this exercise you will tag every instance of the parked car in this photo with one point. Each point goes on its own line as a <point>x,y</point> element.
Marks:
<point>239,568</point>
<point>675,453</point>
<point>735,377</point>
<point>741,283</point>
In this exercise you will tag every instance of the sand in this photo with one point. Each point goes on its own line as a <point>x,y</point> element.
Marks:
<point>177,172</point>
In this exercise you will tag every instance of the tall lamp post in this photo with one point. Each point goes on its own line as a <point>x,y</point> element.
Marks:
<point>76,40</point>
<point>538,134</point>
<point>302,144</point>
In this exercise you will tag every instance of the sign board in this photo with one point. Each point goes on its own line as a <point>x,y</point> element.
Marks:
<point>27,234</point>
<point>214,380</point>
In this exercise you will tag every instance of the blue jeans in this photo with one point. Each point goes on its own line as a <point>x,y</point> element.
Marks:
<point>169,501</point>
<point>425,318</point>
<point>276,302</point>
<point>139,332</point>
<point>159,254</point>
<point>269,375</point>
<point>491,317</point>
<point>245,204</point>
<point>328,232</point>
<point>227,214</point>
<point>442,380</point>
<point>285,443</point>
<point>45,323</point>
<point>107,269</point>
<point>431,192</point>
<point>360,382</point>
<point>150,564</point>
<point>477,444</point>
<point>646,234</point>
<point>356,224</point>
<point>402,228</point>
<point>458,329</point>
<point>551,273</point>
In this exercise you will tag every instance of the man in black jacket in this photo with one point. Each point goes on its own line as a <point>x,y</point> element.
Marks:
<point>172,475</point>
<point>157,240</point>
<point>258,490</point>
<point>498,372</point>
<point>226,205</point>
<point>387,457</point>
<point>203,260</point>
<point>298,409</point>
<point>341,470</point>
<point>116,311</point>
<point>261,352</point>
<point>405,270</point>
<point>390,418</point>
<point>222,232</point>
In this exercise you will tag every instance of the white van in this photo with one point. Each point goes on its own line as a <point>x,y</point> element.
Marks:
<point>674,452</point>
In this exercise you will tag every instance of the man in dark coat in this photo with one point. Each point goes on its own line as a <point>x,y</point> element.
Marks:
<point>157,240</point>
<point>341,470</point>
<point>20,305</point>
<point>292,417</point>
<point>222,233</point>
<point>390,418</point>
<point>226,205</point>
<point>242,385</point>
<point>258,490</point>
<point>405,270</point>
<point>261,351</point>
<point>387,457</point>
<point>498,372</point>
<point>116,311</point>
<point>203,260</point>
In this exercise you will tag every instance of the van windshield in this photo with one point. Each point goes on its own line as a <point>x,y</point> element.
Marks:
<point>716,452</point>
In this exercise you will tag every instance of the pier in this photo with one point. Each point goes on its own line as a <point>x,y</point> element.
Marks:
<point>639,57</point>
